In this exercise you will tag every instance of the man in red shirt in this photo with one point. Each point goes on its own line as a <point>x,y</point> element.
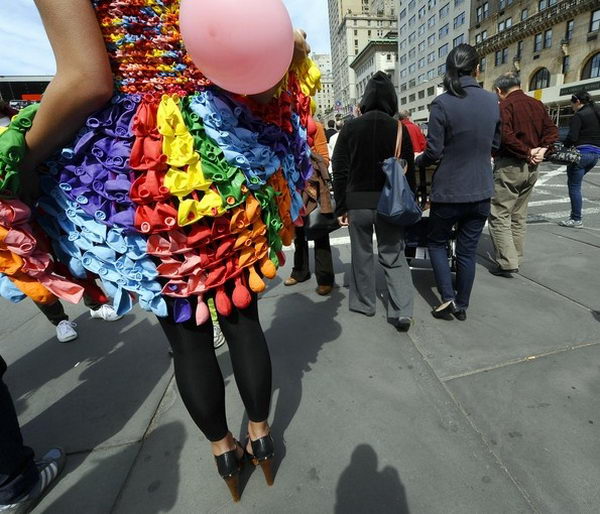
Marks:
<point>416,136</point>
<point>527,132</point>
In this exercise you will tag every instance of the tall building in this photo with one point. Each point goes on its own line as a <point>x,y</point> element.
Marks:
<point>428,30</point>
<point>352,24</point>
<point>325,98</point>
<point>554,45</point>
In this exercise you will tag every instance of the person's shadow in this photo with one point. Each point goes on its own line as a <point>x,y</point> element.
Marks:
<point>91,393</point>
<point>363,488</point>
<point>300,327</point>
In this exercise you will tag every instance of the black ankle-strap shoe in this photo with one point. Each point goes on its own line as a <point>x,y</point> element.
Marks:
<point>229,466</point>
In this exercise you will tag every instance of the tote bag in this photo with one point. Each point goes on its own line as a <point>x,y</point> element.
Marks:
<point>397,204</point>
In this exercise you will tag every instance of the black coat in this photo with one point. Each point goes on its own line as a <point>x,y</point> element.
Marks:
<point>461,135</point>
<point>362,146</point>
<point>584,128</point>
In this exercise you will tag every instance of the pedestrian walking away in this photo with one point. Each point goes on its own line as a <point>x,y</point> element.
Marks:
<point>463,130</point>
<point>128,201</point>
<point>362,146</point>
<point>331,131</point>
<point>527,133</point>
<point>584,133</point>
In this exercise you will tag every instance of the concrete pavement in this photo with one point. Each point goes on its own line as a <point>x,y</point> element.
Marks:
<point>495,415</point>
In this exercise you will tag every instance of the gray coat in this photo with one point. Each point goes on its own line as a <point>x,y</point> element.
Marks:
<point>462,134</point>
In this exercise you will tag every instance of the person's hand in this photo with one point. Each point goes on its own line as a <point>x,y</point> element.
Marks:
<point>301,47</point>
<point>343,220</point>
<point>536,155</point>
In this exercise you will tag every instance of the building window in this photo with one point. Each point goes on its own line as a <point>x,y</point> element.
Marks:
<point>546,3</point>
<point>412,83</point>
<point>403,87</point>
<point>482,36</point>
<point>548,38</point>
<point>443,50</point>
<point>412,37</point>
<point>431,22</point>
<point>459,20</point>
<point>402,14</point>
<point>421,94</point>
<point>356,32</point>
<point>389,57</point>
<point>591,70</point>
<point>412,4</point>
<point>403,59</point>
<point>421,30</point>
<point>422,62</point>
<point>565,64</point>
<point>411,98</point>
<point>412,21</point>
<point>501,4</point>
<point>458,41</point>
<point>540,80</point>
<point>501,57</point>
<point>422,12</point>
<point>444,11</point>
<point>430,91</point>
<point>421,78</point>
<point>482,12</point>
<point>356,42</point>
<point>422,46</point>
<point>431,40</point>
<point>520,49</point>
<point>538,42</point>
<point>431,74</point>
<point>595,21</point>
<point>570,29</point>
<point>412,53</point>
<point>458,2</point>
<point>403,100</point>
<point>505,24</point>
<point>443,32</point>
<point>431,57</point>
<point>412,68</point>
<point>524,14</point>
<point>442,69</point>
<point>431,4</point>
<point>482,64</point>
<point>368,33</point>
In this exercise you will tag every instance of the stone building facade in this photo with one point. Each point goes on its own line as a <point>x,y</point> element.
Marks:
<point>378,55</point>
<point>554,45</point>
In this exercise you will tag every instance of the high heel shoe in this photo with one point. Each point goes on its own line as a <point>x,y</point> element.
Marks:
<point>229,466</point>
<point>263,451</point>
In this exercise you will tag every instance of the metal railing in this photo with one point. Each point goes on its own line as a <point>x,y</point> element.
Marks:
<point>536,23</point>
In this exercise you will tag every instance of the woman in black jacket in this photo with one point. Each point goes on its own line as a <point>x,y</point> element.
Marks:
<point>584,133</point>
<point>463,130</point>
<point>362,146</point>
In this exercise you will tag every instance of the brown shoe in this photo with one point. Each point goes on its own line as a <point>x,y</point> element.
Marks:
<point>290,282</point>
<point>324,290</point>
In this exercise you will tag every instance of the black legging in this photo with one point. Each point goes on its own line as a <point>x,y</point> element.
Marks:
<point>198,374</point>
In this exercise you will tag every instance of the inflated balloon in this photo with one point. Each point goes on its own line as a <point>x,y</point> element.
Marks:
<point>245,47</point>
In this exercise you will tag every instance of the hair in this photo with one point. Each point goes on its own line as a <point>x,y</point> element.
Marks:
<point>462,61</point>
<point>507,81</point>
<point>404,115</point>
<point>331,124</point>
<point>339,124</point>
<point>584,97</point>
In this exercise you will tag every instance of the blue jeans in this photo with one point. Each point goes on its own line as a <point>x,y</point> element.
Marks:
<point>469,219</point>
<point>18,473</point>
<point>575,174</point>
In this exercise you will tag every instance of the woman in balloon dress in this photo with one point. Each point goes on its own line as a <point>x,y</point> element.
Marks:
<point>164,186</point>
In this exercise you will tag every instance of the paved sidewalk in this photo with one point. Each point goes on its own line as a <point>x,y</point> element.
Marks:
<point>495,415</point>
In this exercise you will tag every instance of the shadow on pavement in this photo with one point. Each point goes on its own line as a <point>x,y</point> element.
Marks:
<point>362,488</point>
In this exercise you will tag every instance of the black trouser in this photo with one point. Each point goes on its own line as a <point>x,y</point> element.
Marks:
<point>199,377</point>
<point>55,312</point>
<point>18,473</point>
<point>323,260</point>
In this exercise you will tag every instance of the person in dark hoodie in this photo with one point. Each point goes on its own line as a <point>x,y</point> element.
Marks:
<point>362,146</point>
<point>463,131</point>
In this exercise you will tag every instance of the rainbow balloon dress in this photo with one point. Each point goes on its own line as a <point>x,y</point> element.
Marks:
<point>173,191</point>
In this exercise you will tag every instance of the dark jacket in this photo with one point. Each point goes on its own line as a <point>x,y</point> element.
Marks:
<point>362,146</point>
<point>329,133</point>
<point>461,135</point>
<point>525,125</point>
<point>584,128</point>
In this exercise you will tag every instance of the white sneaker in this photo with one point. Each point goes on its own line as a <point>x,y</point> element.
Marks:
<point>106,312</point>
<point>49,466</point>
<point>218,337</point>
<point>571,223</point>
<point>65,331</point>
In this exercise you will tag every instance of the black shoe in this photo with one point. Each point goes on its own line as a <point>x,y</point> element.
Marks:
<point>229,466</point>
<point>263,451</point>
<point>461,315</point>
<point>445,313</point>
<point>402,324</point>
<point>506,273</point>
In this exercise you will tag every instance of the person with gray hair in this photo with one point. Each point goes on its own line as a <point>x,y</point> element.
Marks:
<point>527,132</point>
<point>416,136</point>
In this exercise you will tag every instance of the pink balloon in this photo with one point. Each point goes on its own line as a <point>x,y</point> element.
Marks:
<point>243,46</point>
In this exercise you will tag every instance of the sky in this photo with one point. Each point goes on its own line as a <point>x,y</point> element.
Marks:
<point>24,48</point>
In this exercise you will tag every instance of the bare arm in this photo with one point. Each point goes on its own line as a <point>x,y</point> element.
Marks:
<point>83,80</point>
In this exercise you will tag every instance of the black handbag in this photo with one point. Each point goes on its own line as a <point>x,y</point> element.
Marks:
<point>560,154</point>
<point>317,224</point>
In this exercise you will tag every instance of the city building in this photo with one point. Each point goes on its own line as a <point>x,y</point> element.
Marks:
<point>428,30</point>
<point>352,24</point>
<point>554,45</point>
<point>379,55</point>
<point>325,98</point>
